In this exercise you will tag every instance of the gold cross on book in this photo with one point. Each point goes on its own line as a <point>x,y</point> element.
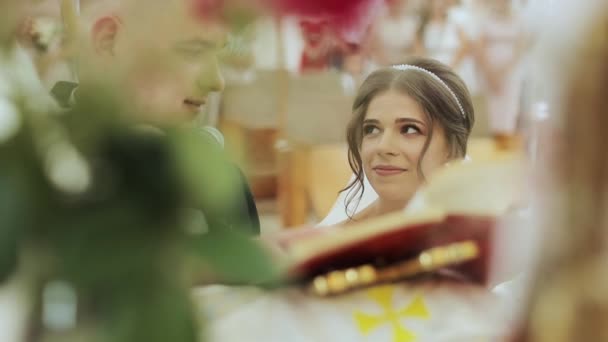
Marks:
<point>366,323</point>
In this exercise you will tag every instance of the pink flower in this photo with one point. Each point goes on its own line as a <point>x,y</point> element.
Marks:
<point>348,18</point>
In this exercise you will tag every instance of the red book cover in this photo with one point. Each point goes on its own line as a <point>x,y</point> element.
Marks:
<point>392,239</point>
<point>461,203</point>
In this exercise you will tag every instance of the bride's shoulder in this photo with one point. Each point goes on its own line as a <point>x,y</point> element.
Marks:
<point>362,215</point>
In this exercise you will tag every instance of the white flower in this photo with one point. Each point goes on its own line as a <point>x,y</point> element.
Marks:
<point>10,120</point>
<point>67,169</point>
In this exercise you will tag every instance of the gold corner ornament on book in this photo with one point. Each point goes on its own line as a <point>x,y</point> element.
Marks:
<point>433,259</point>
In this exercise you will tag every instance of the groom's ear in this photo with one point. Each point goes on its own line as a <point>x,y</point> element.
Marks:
<point>104,34</point>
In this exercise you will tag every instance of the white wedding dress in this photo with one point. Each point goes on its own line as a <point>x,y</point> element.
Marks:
<point>338,212</point>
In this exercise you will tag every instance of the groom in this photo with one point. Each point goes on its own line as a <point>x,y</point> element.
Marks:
<point>162,57</point>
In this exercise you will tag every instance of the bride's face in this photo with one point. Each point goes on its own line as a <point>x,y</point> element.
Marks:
<point>395,130</point>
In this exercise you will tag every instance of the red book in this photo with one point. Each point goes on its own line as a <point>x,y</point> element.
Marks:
<point>461,203</point>
<point>387,240</point>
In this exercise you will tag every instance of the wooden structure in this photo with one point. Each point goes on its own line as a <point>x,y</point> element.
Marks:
<point>276,124</point>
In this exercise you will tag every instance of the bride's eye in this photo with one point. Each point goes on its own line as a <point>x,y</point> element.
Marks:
<point>370,129</point>
<point>410,129</point>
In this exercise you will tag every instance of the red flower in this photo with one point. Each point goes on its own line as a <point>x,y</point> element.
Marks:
<point>346,17</point>
<point>331,8</point>
<point>349,18</point>
<point>206,9</point>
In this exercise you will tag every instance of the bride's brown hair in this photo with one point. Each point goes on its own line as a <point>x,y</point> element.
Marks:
<point>434,97</point>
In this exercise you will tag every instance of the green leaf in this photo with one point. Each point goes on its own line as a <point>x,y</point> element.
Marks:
<point>236,258</point>
<point>209,179</point>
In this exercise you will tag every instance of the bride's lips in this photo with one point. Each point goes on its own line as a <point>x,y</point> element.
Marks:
<point>388,170</point>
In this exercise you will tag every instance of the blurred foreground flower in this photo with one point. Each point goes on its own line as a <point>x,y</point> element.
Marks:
<point>95,202</point>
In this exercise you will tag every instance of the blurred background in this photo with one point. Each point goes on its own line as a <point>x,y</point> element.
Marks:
<point>287,74</point>
<point>300,72</point>
<point>290,81</point>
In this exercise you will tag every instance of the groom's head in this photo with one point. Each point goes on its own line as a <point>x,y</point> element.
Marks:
<point>163,55</point>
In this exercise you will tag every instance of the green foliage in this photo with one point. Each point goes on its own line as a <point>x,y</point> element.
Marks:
<point>235,258</point>
<point>207,178</point>
<point>119,241</point>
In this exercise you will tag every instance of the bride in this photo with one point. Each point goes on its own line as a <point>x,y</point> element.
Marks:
<point>408,120</point>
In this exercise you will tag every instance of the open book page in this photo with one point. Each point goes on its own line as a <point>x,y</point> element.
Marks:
<point>484,187</point>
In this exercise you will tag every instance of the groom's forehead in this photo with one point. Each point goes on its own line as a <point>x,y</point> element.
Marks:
<point>156,16</point>
<point>172,20</point>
